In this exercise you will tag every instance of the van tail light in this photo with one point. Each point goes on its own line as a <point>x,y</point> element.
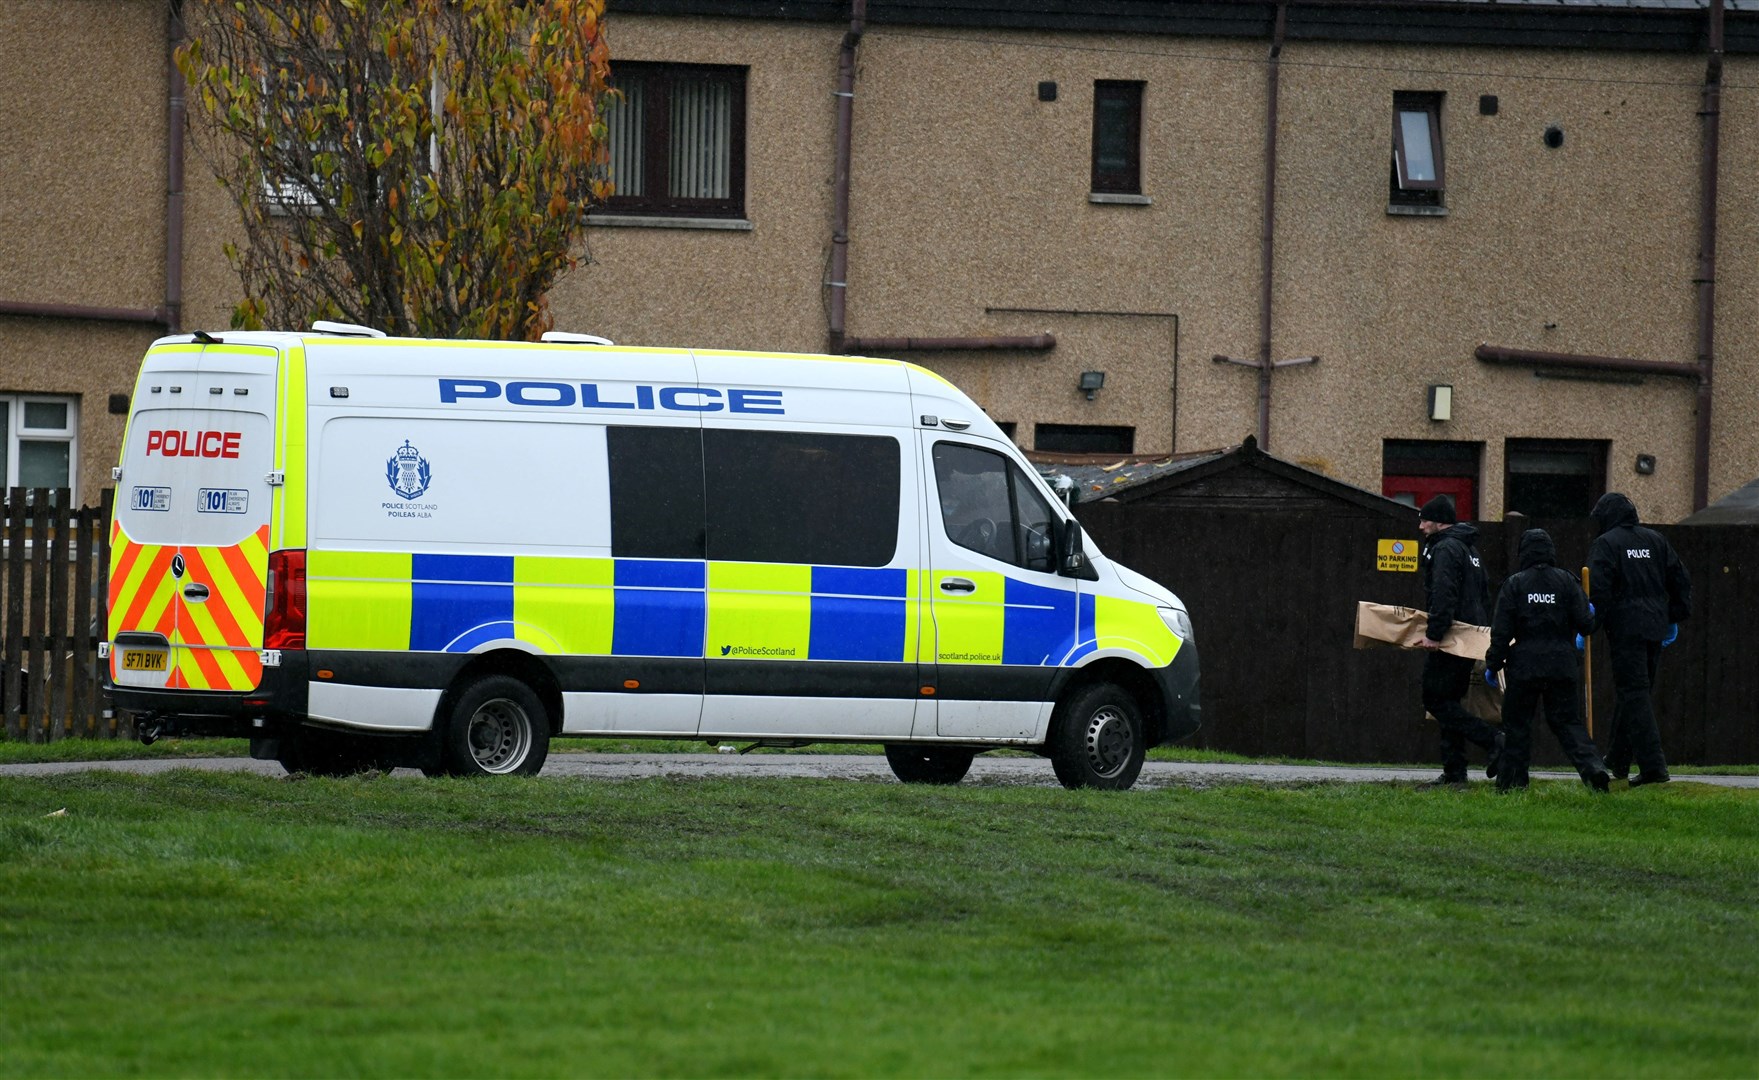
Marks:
<point>284,625</point>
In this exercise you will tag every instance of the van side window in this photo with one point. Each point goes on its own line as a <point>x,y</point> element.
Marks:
<point>989,506</point>
<point>802,497</point>
<point>656,492</point>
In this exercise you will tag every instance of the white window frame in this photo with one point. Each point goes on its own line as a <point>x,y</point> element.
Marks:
<point>17,433</point>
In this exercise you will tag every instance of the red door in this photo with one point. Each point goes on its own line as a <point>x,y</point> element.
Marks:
<point>1414,491</point>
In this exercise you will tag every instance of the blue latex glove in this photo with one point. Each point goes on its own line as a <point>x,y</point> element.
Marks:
<point>1590,609</point>
<point>1490,679</point>
<point>1580,644</point>
<point>1673,631</point>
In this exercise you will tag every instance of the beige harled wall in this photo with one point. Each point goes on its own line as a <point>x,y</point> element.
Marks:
<point>82,203</point>
<point>970,195</point>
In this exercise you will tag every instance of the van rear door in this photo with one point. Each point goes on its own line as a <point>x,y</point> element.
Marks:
<point>189,545</point>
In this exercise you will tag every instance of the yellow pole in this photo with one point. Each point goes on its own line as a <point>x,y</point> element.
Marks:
<point>1588,666</point>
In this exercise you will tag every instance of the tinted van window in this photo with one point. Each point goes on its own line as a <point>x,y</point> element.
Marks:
<point>656,492</point>
<point>802,497</point>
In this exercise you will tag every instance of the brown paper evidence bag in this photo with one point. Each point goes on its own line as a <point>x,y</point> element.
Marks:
<point>1404,627</point>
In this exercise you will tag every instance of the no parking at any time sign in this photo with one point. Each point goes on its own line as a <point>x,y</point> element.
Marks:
<point>1396,555</point>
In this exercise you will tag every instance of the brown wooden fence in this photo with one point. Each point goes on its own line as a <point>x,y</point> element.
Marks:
<point>1273,596</point>
<point>52,611</point>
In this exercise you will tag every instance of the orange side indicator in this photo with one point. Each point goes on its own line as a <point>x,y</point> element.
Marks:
<point>326,673</point>
<point>632,684</point>
<point>928,691</point>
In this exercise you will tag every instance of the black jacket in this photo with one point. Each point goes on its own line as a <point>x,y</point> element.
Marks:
<point>1454,580</point>
<point>1635,578</point>
<point>1539,612</point>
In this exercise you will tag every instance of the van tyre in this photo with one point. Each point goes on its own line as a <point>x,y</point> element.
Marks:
<point>928,765</point>
<point>1097,738</point>
<point>495,727</point>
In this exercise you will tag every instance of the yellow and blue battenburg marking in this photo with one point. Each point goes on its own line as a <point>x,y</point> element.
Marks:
<point>696,609</point>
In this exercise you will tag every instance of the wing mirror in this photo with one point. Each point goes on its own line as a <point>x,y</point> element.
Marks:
<point>1071,558</point>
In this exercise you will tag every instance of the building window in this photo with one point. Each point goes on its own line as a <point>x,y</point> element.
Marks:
<point>1083,439</point>
<point>39,441</point>
<point>1117,138</point>
<point>1418,175</point>
<point>678,140</point>
<point>1553,478</point>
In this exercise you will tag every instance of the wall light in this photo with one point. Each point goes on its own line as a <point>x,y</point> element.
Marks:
<point>1645,464</point>
<point>1092,382</point>
<point>1441,402</point>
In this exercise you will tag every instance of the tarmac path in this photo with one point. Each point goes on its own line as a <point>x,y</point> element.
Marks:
<point>1023,771</point>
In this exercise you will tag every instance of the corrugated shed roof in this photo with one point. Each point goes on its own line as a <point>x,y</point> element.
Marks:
<point>1092,477</point>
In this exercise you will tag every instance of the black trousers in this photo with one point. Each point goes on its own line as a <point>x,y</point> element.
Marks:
<point>1558,696</point>
<point>1634,731</point>
<point>1445,677</point>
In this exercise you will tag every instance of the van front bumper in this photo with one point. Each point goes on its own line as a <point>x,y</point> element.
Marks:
<point>1179,694</point>
<point>281,696</point>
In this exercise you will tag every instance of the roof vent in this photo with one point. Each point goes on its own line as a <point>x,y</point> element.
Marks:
<point>343,329</point>
<point>563,337</point>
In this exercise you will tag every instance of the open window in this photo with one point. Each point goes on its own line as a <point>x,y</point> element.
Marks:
<point>1419,174</point>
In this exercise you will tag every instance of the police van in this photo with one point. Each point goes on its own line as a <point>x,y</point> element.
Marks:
<point>363,552</point>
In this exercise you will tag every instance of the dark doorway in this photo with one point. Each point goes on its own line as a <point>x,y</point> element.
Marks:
<point>1553,478</point>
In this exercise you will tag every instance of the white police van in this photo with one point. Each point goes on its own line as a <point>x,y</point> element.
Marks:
<point>361,551</point>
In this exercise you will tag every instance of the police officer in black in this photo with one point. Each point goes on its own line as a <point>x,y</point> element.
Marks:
<point>1458,591</point>
<point>1641,593</point>
<point>1539,612</point>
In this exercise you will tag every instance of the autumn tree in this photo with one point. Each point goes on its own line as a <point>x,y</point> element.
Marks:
<point>418,166</point>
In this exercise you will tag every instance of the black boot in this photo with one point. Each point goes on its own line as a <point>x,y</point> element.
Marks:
<point>1494,765</point>
<point>1456,783</point>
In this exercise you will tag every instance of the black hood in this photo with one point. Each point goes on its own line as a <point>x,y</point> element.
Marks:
<point>1537,549</point>
<point>1613,510</point>
<point>1464,533</point>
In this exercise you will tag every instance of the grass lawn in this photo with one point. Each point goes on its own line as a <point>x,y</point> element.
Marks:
<point>194,923</point>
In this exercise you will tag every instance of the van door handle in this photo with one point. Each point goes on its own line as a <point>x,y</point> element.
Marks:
<point>958,584</point>
<point>196,591</point>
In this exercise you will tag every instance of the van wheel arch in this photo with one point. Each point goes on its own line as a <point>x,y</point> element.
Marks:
<point>528,669</point>
<point>1134,680</point>
<point>519,684</point>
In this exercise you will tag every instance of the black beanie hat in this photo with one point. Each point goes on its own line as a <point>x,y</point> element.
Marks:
<point>1440,508</point>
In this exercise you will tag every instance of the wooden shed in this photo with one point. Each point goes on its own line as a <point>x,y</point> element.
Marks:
<point>1271,558</point>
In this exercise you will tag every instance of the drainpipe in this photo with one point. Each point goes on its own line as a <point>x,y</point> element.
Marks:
<point>1496,354</point>
<point>174,126</point>
<point>1705,280</point>
<point>946,344</point>
<point>1267,239</point>
<point>839,282</point>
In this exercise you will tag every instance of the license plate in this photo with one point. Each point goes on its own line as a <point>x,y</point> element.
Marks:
<point>137,660</point>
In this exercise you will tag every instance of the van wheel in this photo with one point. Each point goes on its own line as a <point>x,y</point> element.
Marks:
<point>496,727</point>
<point>926,765</point>
<point>1097,739</point>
